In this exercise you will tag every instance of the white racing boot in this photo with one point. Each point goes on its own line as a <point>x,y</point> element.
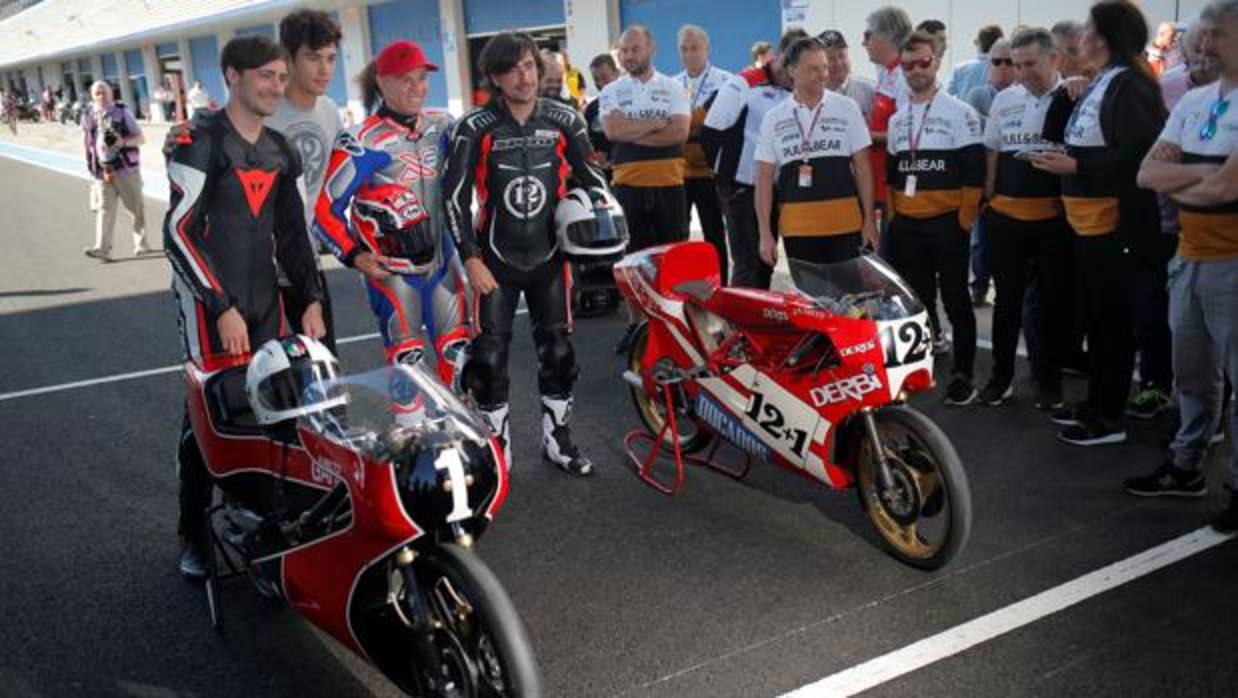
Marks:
<point>500,426</point>
<point>557,446</point>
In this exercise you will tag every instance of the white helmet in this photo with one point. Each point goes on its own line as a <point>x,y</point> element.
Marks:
<point>590,223</point>
<point>289,377</point>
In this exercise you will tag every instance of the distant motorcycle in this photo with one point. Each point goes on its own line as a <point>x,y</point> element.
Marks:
<point>814,380</point>
<point>356,500</point>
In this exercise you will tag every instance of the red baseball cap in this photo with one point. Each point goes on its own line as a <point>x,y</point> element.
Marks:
<point>399,57</point>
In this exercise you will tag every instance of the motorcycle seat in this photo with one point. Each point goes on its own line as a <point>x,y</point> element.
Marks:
<point>698,290</point>
<point>228,403</point>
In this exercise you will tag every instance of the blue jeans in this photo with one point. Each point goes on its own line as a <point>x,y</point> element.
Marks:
<point>980,272</point>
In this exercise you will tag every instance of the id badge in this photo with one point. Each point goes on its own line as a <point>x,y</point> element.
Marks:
<point>909,186</point>
<point>805,178</point>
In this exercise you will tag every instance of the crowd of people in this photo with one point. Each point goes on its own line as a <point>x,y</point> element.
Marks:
<point>1101,201</point>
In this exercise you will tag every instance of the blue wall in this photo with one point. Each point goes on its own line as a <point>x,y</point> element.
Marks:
<point>133,62</point>
<point>109,67</point>
<point>337,90</point>
<point>267,30</point>
<point>168,49</point>
<point>204,57</point>
<point>489,16</point>
<point>733,28</point>
<point>415,20</point>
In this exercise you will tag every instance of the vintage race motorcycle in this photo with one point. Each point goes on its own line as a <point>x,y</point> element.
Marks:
<point>356,500</point>
<point>814,380</point>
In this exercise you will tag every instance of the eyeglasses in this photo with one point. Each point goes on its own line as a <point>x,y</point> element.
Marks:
<point>922,64</point>
<point>998,62</point>
<point>1209,129</point>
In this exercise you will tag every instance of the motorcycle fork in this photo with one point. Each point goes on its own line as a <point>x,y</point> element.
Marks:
<point>416,614</point>
<point>883,466</point>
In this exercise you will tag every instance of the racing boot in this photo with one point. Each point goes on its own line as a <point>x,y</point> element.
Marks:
<point>500,426</point>
<point>557,446</point>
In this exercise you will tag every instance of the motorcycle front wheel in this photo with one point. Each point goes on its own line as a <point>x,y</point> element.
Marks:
<point>652,409</point>
<point>924,519</point>
<point>481,642</point>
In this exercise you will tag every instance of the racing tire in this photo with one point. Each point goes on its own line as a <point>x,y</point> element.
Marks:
<point>490,633</point>
<point>930,488</point>
<point>651,413</point>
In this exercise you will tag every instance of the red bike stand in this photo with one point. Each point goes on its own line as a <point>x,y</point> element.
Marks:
<point>645,466</point>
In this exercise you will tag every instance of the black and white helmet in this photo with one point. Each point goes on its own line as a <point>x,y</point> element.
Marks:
<point>590,223</point>
<point>291,377</point>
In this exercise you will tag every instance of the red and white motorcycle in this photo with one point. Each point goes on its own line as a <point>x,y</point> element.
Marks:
<point>361,513</point>
<point>814,380</point>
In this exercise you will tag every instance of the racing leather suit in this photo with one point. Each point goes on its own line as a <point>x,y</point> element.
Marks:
<point>390,148</point>
<point>235,211</point>
<point>520,173</point>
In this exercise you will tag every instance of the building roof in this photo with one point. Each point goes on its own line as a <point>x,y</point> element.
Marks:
<point>60,28</point>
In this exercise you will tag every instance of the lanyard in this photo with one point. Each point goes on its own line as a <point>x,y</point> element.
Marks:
<point>700,85</point>
<point>913,140</point>
<point>804,135</point>
<point>1078,110</point>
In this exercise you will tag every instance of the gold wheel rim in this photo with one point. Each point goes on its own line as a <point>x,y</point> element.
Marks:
<point>904,538</point>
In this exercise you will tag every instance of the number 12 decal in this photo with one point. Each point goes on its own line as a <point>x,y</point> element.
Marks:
<point>770,419</point>
<point>907,344</point>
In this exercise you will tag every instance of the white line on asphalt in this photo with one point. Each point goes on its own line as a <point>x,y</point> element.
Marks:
<point>962,637</point>
<point>116,378</point>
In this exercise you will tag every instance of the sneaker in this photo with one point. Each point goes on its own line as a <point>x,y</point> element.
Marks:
<point>1093,432</point>
<point>1049,401</point>
<point>1149,402</point>
<point>1227,521</point>
<point>193,563</point>
<point>1168,481</point>
<point>99,254</point>
<point>625,342</point>
<point>941,344</point>
<point>960,391</point>
<point>995,392</point>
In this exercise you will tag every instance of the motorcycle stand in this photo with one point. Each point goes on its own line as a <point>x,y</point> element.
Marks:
<point>657,445</point>
<point>216,551</point>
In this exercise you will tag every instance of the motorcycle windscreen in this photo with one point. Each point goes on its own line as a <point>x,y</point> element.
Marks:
<point>395,401</point>
<point>863,287</point>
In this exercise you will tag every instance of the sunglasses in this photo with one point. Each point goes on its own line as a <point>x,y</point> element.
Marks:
<point>832,39</point>
<point>1209,129</point>
<point>998,62</point>
<point>922,64</point>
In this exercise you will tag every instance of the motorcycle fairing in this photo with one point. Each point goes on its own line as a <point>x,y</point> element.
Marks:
<point>320,578</point>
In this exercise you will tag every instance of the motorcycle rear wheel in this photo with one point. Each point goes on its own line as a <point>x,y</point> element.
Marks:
<point>482,642</point>
<point>652,409</point>
<point>925,519</point>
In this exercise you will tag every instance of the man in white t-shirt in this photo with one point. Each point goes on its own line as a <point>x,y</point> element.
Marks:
<point>646,117</point>
<point>1195,162</point>
<point>310,121</point>
<point>812,158</point>
<point>701,80</point>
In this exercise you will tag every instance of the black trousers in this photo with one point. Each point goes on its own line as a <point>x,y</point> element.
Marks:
<point>195,488</point>
<point>294,308</point>
<point>1105,278</point>
<point>1022,253</point>
<point>655,215</point>
<point>703,195</point>
<point>823,249</point>
<point>744,239</point>
<point>1152,334</point>
<point>927,249</point>
<point>545,291</point>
